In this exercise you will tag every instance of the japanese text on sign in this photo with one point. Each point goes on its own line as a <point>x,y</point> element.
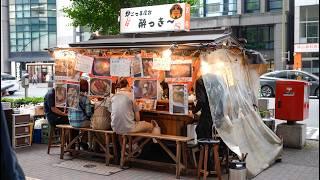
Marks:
<point>169,17</point>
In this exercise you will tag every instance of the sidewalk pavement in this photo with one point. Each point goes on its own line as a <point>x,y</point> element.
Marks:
<point>296,165</point>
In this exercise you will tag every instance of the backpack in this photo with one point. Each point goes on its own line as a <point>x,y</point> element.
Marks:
<point>101,118</point>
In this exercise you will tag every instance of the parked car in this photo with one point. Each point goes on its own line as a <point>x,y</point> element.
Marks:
<point>9,79</point>
<point>268,81</point>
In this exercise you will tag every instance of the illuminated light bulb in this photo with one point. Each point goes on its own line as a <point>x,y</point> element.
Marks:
<point>166,53</point>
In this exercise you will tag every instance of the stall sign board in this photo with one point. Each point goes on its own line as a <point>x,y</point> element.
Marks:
<point>168,17</point>
<point>84,63</point>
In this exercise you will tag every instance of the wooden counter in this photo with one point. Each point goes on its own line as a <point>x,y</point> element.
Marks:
<point>170,124</point>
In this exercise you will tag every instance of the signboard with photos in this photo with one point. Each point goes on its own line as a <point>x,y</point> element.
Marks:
<point>178,98</point>
<point>168,17</point>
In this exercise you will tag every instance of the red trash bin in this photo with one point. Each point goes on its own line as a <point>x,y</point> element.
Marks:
<point>292,100</point>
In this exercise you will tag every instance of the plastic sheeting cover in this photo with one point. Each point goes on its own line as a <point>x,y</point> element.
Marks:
<point>230,86</point>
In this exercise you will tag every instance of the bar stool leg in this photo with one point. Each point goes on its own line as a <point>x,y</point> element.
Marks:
<point>51,129</point>
<point>216,160</point>
<point>107,155</point>
<point>205,163</point>
<point>200,161</point>
<point>123,151</point>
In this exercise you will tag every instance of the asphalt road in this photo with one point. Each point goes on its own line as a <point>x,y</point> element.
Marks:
<point>36,90</point>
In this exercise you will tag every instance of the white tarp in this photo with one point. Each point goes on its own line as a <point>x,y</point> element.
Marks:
<point>232,90</point>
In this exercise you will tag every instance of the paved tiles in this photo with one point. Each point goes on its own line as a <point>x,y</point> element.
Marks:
<point>296,165</point>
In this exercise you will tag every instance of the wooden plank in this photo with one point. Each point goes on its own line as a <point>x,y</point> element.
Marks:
<point>84,129</point>
<point>162,136</point>
<point>62,143</point>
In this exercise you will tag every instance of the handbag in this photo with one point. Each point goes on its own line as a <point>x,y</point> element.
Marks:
<point>101,118</point>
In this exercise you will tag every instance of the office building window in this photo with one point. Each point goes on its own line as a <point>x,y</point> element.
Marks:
<point>309,24</point>
<point>210,8</point>
<point>274,5</point>
<point>252,6</point>
<point>258,37</point>
<point>32,25</point>
<point>221,7</point>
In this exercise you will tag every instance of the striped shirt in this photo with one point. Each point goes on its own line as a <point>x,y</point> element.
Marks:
<point>77,116</point>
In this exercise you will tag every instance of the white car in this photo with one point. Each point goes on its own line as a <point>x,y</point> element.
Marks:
<point>9,79</point>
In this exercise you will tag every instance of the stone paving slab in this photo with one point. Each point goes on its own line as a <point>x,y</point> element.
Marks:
<point>296,165</point>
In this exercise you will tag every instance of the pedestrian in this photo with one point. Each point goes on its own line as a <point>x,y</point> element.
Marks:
<point>34,79</point>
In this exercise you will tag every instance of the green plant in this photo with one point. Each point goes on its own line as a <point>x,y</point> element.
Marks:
<point>15,103</point>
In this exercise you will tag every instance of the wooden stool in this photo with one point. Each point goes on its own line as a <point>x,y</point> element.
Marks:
<point>203,160</point>
<point>52,136</point>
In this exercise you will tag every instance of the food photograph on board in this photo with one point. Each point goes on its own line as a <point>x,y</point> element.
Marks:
<point>61,67</point>
<point>100,86</point>
<point>177,100</point>
<point>148,72</point>
<point>73,93</point>
<point>145,89</point>
<point>101,66</point>
<point>60,95</point>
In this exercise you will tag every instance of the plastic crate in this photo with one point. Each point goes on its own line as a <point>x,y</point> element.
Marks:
<point>44,133</point>
<point>36,138</point>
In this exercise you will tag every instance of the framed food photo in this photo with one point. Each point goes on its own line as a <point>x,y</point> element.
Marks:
<point>147,66</point>
<point>180,71</point>
<point>101,66</point>
<point>73,96</point>
<point>136,67</point>
<point>145,89</point>
<point>145,93</point>
<point>60,69</point>
<point>60,95</point>
<point>100,86</point>
<point>72,73</point>
<point>178,98</point>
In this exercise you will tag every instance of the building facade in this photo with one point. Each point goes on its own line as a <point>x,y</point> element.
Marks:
<point>307,35</point>
<point>258,21</point>
<point>28,27</point>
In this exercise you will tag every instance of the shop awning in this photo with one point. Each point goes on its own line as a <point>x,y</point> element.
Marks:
<point>154,40</point>
<point>30,57</point>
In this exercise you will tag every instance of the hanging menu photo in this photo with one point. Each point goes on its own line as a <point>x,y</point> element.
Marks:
<point>120,67</point>
<point>178,98</point>
<point>101,66</point>
<point>60,95</point>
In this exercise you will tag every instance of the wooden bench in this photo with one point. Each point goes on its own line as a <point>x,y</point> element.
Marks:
<point>105,148</point>
<point>180,146</point>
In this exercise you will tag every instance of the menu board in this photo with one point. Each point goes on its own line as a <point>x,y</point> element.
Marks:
<point>161,64</point>
<point>100,86</point>
<point>178,98</point>
<point>120,67</point>
<point>84,63</point>
<point>60,95</point>
<point>73,96</point>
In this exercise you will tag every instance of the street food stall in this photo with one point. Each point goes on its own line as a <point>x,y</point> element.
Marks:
<point>162,69</point>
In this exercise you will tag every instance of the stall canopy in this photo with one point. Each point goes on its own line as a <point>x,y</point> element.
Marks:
<point>231,78</point>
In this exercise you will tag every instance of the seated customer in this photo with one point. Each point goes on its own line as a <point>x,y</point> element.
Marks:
<point>125,115</point>
<point>54,115</point>
<point>81,117</point>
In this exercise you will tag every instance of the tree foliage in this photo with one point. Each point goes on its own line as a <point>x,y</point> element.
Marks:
<point>102,15</point>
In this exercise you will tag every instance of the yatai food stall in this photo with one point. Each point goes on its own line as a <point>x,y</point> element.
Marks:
<point>230,74</point>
